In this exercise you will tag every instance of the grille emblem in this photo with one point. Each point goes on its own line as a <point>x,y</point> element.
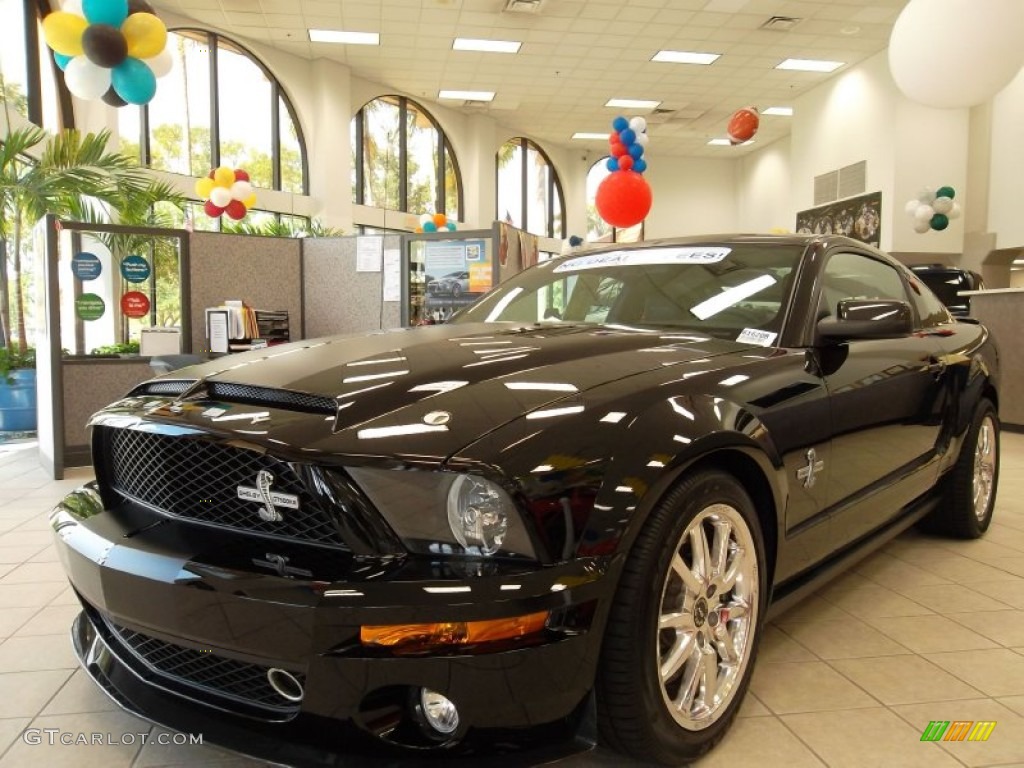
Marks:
<point>271,499</point>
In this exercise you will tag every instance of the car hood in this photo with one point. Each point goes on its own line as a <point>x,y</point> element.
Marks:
<point>429,391</point>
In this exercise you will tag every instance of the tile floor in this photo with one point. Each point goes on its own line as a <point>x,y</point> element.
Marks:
<point>927,629</point>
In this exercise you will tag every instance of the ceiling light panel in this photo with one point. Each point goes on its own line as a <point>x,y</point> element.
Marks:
<point>343,37</point>
<point>810,65</point>
<point>486,46</point>
<point>632,103</point>
<point>686,57</point>
<point>778,111</point>
<point>467,95</point>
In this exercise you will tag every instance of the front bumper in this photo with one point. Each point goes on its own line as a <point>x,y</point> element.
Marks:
<point>173,588</point>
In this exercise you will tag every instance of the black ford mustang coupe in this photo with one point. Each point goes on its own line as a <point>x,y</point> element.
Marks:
<point>572,507</point>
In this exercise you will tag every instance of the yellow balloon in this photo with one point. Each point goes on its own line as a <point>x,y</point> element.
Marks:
<point>204,187</point>
<point>63,32</point>
<point>249,202</point>
<point>224,176</point>
<point>146,35</point>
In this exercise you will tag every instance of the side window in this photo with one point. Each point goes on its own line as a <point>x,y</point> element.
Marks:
<point>931,311</point>
<point>855,276</point>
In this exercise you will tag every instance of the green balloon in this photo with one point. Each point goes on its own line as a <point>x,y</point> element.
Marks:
<point>939,221</point>
<point>945,192</point>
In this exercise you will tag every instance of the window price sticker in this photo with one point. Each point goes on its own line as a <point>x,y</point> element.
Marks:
<point>687,255</point>
<point>754,336</point>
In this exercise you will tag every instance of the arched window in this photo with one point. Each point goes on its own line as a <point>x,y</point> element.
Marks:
<point>29,72</point>
<point>599,230</point>
<point>402,160</point>
<point>218,106</point>
<point>529,191</point>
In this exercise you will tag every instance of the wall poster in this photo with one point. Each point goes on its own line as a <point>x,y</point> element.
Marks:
<point>856,217</point>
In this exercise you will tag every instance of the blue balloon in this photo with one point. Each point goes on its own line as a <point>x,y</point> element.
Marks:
<point>620,123</point>
<point>450,226</point>
<point>636,151</point>
<point>112,12</point>
<point>134,81</point>
<point>612,164</point>
<point>640,166</point>
<point>429,226</point>
<point>62,60</point>
<point>627,136</point>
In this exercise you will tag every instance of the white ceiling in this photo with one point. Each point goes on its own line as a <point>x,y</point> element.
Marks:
<point>577,54</point>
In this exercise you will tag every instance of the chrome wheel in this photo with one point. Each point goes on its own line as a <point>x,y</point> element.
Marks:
<point>985,459</point>
<point>708,616</point>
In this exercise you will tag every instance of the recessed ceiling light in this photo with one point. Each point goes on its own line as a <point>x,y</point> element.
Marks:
<point>779,111</point>
<point>632,103</point>
<point>341,36</point>
<point>727,143</point>
<point>686,57</point>
<point>467,95</point>
<point>810,65</point>
<point>487,46</point>
<point>585,135</point>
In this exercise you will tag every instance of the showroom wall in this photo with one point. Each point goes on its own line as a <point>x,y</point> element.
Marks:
<point>1007,167</point>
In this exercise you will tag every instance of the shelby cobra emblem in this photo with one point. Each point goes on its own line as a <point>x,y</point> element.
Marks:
<point>271,499</point>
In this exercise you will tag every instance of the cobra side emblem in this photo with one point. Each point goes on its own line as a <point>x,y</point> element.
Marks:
<point>810,472</point>
<point>437,418</point>
<point>271,499</point>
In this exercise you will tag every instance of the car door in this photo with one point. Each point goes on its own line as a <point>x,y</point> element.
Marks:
<point>885,398</point>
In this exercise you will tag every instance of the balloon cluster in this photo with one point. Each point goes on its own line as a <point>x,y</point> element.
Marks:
<point>933,209</point>
<point>624,197</point>
<point>743,125</point>
<point>115,52</point>
<point>628,141</point>
<point>229,191</point>
<point>435,222</point>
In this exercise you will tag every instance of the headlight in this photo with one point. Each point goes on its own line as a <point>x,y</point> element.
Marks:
<point>444,513</point>
<point>478,513</point>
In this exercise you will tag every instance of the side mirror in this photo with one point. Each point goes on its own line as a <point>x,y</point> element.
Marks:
<point>867,319</point>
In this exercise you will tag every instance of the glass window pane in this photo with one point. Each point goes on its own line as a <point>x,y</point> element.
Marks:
<point>291,152</point>
<point>179,114</point>
<point>48,84</point>
<point>510,183</point>
<point>558,225</point>
<point>598,230</point>
<point>13,60</point>
<point>355,156</point>
<point>536,192</point>
<point>421,162</point>
<point>380,153</point>
<point>451,187</point>
<point>128,131</point>
<point>246,130</point>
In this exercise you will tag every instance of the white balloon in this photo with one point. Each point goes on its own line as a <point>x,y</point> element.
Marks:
<point>86,80</point>
<point>162,63</point>
<point>220,196</point>
<point>954,212</point>
<point>642,139</point>
<point>922,226</point>
<point>943,204</point>
<point>911,207</point>
<point>241,190</point>
<point>72,6</point>
<point>425,217</point>
<point>638,124</point>
<point>980,44</point>
<point>924,212</point>
<point>926,195</point>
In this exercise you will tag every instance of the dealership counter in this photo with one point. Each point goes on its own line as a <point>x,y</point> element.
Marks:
<point>1002,311</point>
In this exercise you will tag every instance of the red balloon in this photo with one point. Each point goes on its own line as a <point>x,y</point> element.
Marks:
<point>241,175</point>
<point>626,162</point>
<point>743,125</point>
<point>619,150</point>
<point>624,198</point>
<point>236,210</point>
<point>213,211</point>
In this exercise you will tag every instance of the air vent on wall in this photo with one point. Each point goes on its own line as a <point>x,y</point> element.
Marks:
<point>781,23</point>
<point>523,6</point>
<point>847,181</point>
<point>826,188</point>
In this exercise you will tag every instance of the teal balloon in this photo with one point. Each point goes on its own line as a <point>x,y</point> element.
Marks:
<point>945,192</point>
<point>939,221</point>
<point>134,81</point>
<point>112,12</point>
<point>429,226</point>
<point>62,60</point>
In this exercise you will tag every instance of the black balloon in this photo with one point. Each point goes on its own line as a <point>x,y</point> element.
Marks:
<point>111,98</point>
<point>139,6</point>
<point>104,45</point>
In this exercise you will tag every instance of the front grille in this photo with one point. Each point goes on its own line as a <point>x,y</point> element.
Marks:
<point>279,398</point>
<point>205,670</point>
<point>175,387</point>
<point>199,480</point>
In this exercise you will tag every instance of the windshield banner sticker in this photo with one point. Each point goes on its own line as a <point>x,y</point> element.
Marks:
<point>691,255</point>
<point>754,336</point>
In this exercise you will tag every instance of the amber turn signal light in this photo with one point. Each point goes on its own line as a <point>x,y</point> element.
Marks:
<point>410,638</point>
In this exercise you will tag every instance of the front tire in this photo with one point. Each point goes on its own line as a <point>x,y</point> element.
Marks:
<point>683,629</point>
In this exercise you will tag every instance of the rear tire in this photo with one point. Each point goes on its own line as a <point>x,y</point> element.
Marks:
<point>683,629</point>
<point>969,492</point>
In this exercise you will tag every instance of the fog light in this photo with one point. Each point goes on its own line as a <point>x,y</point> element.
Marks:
<point>478,514</point>
<point>439,711</point>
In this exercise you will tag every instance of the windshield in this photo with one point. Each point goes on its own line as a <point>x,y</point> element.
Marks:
<point>719,290</point>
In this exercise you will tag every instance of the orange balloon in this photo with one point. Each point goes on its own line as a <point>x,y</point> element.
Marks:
<point>624,198</point>
<point>743,125</point>
<point>440,219</point>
